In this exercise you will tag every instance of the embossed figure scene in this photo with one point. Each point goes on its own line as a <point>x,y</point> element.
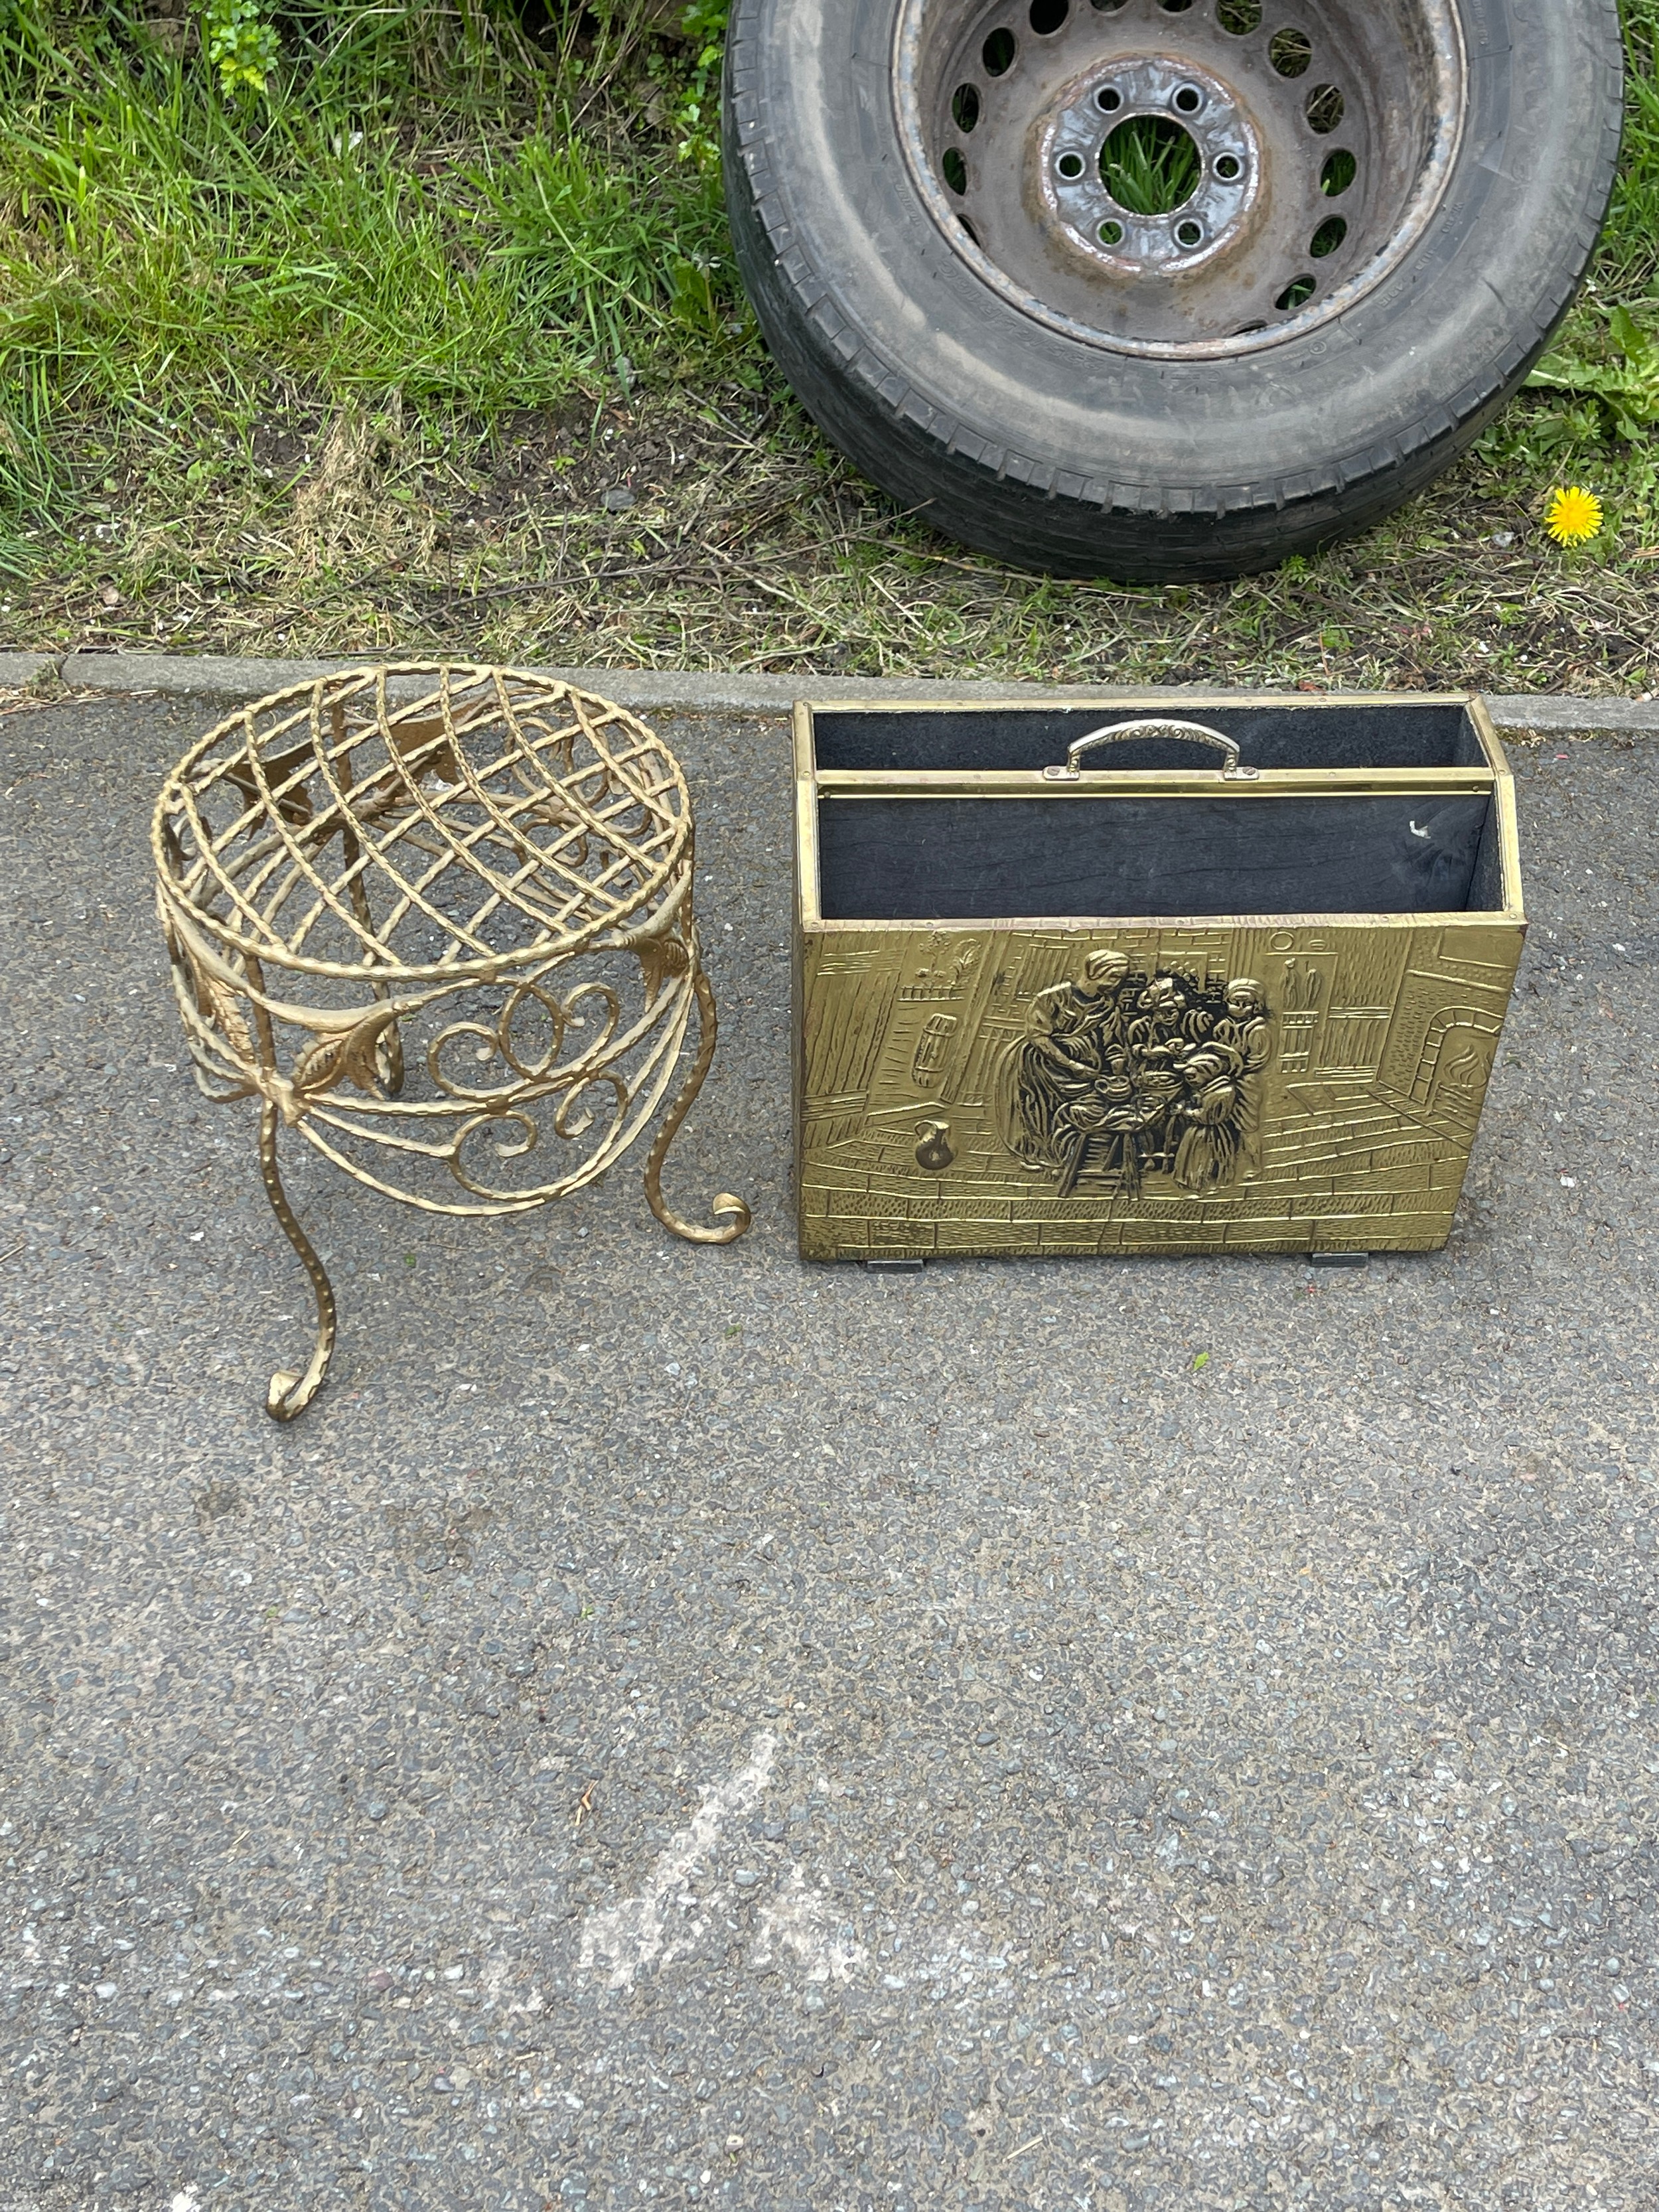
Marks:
<point>1121,1074</point>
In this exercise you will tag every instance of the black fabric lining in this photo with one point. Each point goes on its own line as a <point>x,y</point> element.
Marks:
<point>925,860</point>
<point>1409,736</point>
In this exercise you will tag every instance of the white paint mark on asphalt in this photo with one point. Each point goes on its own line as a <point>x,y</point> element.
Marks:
<point>797,1920</point>
<point>185,2201</point>
<point>656,1926</point>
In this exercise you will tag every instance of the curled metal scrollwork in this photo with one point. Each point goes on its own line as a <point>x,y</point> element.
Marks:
<point>496,1040</point>
<point>439,922</point>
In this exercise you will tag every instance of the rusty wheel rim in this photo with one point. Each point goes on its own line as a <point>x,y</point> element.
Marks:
<point>1181,178</point>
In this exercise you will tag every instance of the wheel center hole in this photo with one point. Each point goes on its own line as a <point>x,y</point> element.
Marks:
<point>1150,166</point>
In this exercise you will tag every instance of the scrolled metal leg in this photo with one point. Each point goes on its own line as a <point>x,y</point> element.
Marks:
<point>289,1394</point>
<point>726,1208</point>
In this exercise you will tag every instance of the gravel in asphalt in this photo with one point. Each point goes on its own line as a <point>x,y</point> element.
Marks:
<point>680,1727</point>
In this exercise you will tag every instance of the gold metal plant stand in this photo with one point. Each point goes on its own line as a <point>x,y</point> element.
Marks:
<point>429,916</point>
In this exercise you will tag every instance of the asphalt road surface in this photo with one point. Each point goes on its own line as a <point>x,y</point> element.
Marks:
<point>677,1726</point>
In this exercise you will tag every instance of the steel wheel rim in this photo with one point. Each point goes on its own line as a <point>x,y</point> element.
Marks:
<point>1016,163</point>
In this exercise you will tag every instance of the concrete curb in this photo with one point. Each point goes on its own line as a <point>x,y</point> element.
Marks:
<point>210,676</point>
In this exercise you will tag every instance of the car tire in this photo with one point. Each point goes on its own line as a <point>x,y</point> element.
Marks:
<point>1016,426</point>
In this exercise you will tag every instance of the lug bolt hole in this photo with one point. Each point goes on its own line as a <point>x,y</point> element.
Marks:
<point>1190,233</point>
<point>1111,233</point>
<point>1189,99</point>
<point>1228,168</point>
<point>1108,101</point>
<point>1070,166</point>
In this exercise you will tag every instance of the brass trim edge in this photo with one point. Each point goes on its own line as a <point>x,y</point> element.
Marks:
<point>1092,925</point>
<point>1128,702</point>
<point>1161,783</point>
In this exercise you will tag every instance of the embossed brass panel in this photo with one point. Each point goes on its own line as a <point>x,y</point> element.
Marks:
<point>1113,1084</point>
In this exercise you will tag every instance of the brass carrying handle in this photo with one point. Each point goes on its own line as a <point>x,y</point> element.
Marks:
<point>1118,733</point>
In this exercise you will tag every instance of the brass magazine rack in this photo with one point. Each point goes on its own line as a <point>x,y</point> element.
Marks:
<point>438,921</point>
<point>1113,978</point>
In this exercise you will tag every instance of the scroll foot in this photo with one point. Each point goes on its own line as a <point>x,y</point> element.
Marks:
<point>728,1210</point>
<point>289,1394</point>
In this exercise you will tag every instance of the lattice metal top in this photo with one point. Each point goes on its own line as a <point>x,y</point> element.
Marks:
<point>420,823</point>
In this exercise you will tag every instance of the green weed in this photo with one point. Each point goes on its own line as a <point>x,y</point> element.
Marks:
<point>240,44</point>
<point>1624,377</point>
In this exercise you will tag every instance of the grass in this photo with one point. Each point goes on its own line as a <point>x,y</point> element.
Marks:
<point>1150,166</point>
<point>437,345</point>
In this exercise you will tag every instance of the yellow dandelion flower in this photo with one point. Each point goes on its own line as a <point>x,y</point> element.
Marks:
<point>1573,516</point>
